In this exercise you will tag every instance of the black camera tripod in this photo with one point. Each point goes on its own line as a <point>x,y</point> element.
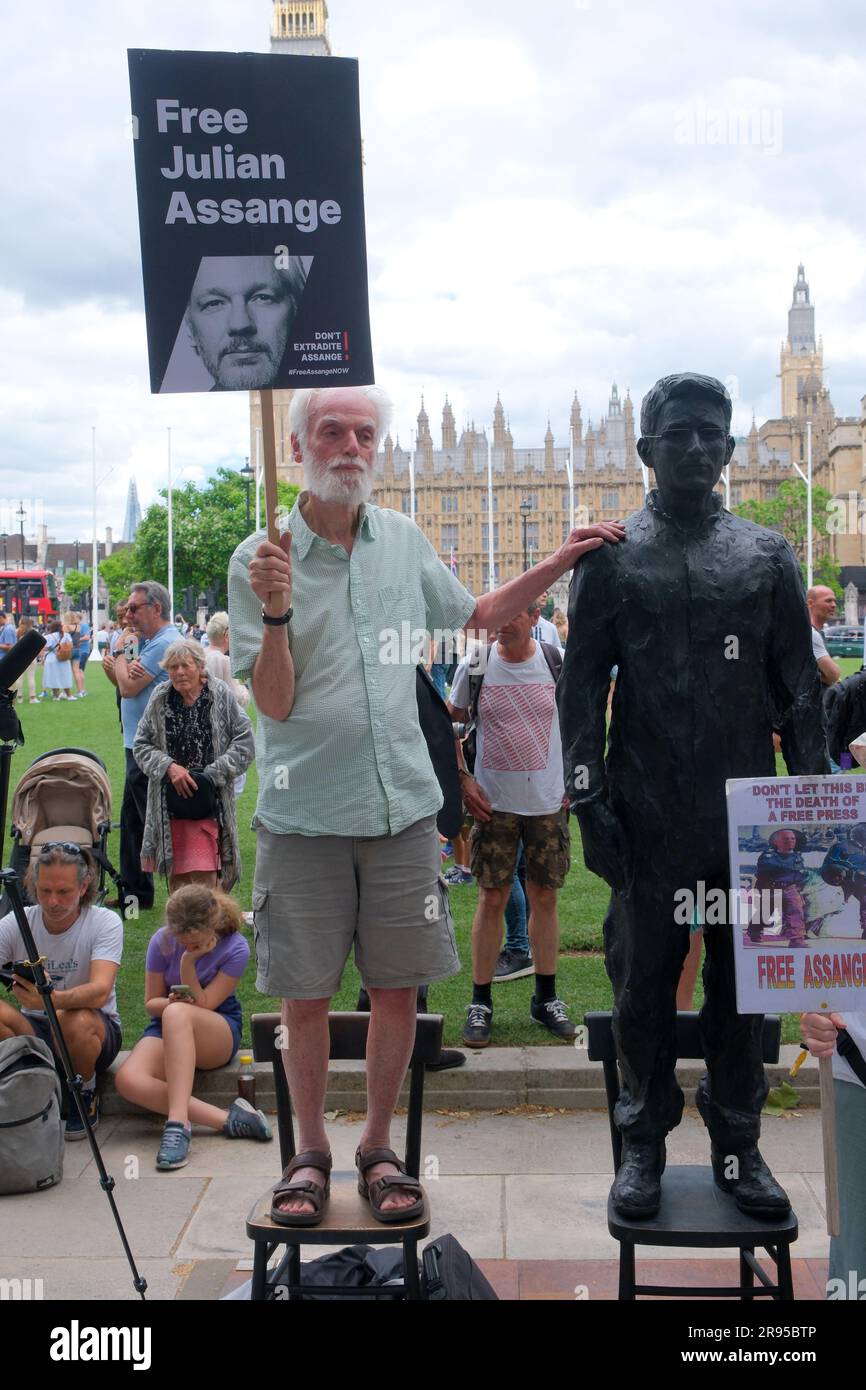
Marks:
<point>10,737</point>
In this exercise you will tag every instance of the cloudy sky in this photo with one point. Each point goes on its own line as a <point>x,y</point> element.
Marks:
<point>559,194</point>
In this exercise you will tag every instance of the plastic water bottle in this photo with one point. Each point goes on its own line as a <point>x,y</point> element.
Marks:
<point>247,1079</point>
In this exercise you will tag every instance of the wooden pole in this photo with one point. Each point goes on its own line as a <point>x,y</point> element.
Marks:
<point>828,1134</point>
<point>269,451</point>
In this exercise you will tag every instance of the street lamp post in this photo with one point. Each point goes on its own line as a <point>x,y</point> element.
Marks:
<point>525,509</point>
<point>77,566</point>
<point>247,474</point>
<point>21,515</point>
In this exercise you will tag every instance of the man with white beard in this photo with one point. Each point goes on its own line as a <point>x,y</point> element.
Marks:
<point>347,848</point>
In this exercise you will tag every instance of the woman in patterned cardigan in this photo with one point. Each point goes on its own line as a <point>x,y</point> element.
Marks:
<point>192,721</point>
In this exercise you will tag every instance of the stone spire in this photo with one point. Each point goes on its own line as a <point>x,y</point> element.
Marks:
<point>575,422</point>
<point>423,436</point>
<point>449,427</point>
<point>498,424</point>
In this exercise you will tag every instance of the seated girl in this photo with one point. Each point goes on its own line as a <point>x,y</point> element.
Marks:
<point>192,970</point>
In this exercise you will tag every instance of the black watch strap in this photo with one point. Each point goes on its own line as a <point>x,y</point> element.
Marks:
<point>277,622</point>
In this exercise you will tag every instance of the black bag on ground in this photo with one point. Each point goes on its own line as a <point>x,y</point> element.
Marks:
<point>449,1272</point>
<point>31,1134</point>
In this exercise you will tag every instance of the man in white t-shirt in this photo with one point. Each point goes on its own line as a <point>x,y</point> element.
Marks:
<point>517,793</point>
<point>821,602</point>
<point>544,630</point>
<point>82,946</point>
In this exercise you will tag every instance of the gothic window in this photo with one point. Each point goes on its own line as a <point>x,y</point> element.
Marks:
<point>532,535</point>
<point>566,500</point>
<point>406,503</point>
<point>449,536</point>
<point>610,497</point>
<point>449,502</point>
<point>485,532</point>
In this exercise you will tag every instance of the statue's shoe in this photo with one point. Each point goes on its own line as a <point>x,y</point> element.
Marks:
<point>751,1184</point>
<point>637,1187</point>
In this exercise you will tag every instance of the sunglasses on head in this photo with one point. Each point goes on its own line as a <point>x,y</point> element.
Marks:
<point>66,845</point>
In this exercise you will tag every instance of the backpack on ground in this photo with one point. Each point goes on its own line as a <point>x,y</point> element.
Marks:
<point>31,1133</point>
<point>449,1272</point>
<point>553,657</point>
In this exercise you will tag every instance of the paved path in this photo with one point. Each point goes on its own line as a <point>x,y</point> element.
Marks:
<point>525,1192</point>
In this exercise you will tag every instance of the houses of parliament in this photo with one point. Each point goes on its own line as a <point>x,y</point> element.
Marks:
<point>451,467</point>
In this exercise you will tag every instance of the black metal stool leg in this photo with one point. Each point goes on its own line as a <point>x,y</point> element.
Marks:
<point>259,1290</point>
<point>747,1278</point>
<point>411,1277</point>
<point>294,1272</point>
<point>626,1272</point>
<point>786,1279</point>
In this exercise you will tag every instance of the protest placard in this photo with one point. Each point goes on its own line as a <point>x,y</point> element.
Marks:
<point>251,212</point>
<point>798,892</point>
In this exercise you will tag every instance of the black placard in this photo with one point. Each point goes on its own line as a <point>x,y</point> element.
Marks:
<point>251,210</point>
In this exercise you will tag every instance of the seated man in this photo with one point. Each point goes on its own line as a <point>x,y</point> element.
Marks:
<point>82,946</point>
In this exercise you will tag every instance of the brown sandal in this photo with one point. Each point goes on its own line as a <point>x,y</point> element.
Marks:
<point>311,1191</point>
<point>378,1188</point>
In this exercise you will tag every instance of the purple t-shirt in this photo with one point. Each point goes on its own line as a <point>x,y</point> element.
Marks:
<point>230,954</point>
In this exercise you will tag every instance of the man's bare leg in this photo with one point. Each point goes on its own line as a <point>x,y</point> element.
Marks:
<point>389,1047</point>
<point>543,927</point>
<point>306,1064</point>
<point>488,925</point>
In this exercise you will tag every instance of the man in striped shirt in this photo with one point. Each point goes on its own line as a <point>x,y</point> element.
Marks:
<point>330,625</point>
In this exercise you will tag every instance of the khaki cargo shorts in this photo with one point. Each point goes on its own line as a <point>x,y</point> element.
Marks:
<point>314,896</point>
<point>493,848</point>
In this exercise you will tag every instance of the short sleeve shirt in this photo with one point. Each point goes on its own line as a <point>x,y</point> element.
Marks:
<point>150,655</point>
<point>819,646</point>
<point>230,955</point>
<point>97,934</point>
<point>350,759</point>
<point>518,762</point>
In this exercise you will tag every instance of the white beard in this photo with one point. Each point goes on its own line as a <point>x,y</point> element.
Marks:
<point>329,486</point>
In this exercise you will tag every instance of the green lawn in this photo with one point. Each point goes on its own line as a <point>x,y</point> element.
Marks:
<point>582,982</point>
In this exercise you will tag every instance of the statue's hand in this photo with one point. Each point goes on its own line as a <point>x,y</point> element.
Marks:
<point>606,851</point>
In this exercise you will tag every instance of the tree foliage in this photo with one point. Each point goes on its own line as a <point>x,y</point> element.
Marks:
<point>208,524</point>
<point>76,583</point>
<point>118,571</point>
<point>786,512</point>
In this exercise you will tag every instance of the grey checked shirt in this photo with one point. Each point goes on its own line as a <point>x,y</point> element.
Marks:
<point>350,759</point>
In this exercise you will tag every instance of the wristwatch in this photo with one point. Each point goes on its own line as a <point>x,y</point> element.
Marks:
<point>277,622</point>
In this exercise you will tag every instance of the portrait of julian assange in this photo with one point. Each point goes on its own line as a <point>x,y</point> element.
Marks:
<point>236,324</point>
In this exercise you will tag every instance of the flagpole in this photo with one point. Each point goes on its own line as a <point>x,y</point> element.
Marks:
<point>94,587</point>
<point>412,473</point>
<point>170,534</point>
<point>571,480</point>
<point>490,547</point>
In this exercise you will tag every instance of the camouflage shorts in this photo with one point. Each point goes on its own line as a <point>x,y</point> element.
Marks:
<point>494,844</point>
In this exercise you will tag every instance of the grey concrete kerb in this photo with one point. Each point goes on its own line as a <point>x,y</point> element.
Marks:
<point>494,1079</point>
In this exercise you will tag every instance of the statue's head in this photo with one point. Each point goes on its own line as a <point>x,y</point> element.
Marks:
<point>685,421</point>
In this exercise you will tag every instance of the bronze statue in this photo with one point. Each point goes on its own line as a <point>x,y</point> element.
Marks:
<point>704,613</point>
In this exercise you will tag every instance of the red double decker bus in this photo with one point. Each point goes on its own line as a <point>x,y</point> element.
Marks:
<point>29,594</point>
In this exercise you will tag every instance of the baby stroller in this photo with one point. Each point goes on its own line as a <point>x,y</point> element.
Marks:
<point>64,795</point>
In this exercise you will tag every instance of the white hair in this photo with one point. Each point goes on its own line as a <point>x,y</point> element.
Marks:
<point>304,401</point>
<point>184,650</point>
<point>217,627</point>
